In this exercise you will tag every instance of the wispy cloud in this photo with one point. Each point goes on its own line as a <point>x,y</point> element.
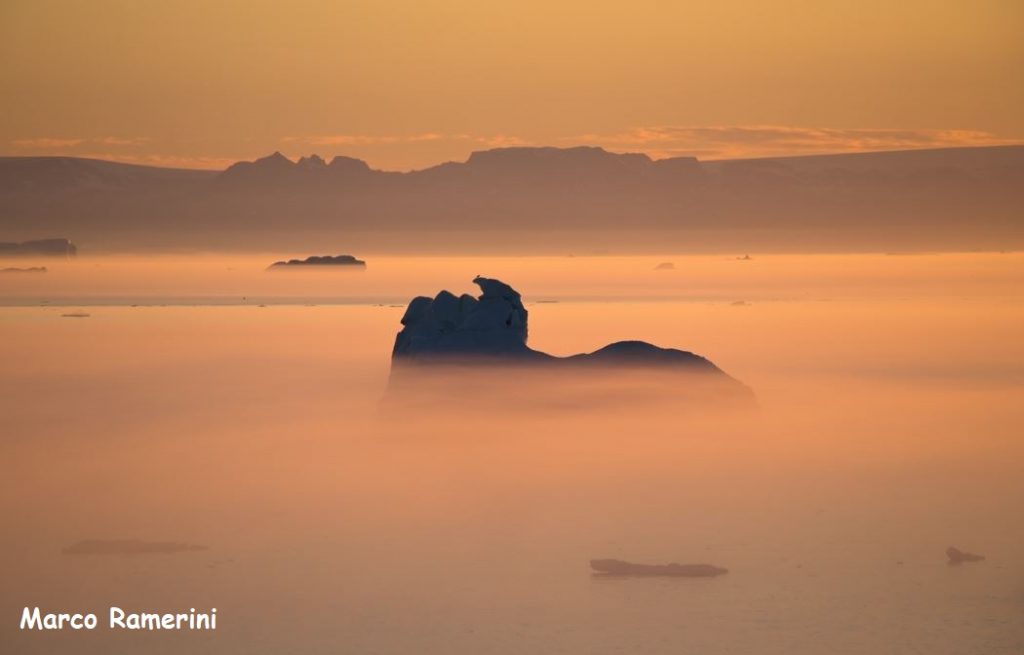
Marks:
<point>493,140</point>
<point>736,141</point>
<point>123,141</point>
<point>49,142</point>
<point>46,142</point>
<point>502,141</point>
<point>345,139</point>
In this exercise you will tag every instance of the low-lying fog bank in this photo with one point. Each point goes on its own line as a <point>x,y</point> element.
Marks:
<point>890,394</point>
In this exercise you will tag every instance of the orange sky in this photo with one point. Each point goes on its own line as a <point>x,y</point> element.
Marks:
<point>405,84</point>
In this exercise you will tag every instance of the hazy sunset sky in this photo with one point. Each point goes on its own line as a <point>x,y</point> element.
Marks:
<point>405,84</point>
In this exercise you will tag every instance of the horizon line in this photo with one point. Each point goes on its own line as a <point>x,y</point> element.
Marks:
<point>130,161</point>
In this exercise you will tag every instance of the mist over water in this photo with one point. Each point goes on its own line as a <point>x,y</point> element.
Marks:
<point>890,395</point>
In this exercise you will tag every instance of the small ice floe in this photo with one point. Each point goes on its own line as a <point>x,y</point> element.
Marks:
<point>957,556</point>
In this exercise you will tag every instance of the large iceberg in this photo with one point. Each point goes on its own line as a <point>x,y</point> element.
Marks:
<point>490,332</point>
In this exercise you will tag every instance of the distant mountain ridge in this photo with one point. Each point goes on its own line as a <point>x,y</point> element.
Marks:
<point>530,199</point>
